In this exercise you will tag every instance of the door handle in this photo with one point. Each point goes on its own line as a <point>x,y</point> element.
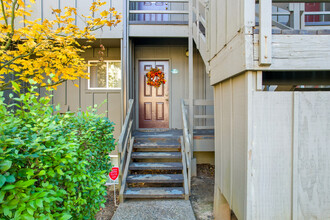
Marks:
<point>166,99</point>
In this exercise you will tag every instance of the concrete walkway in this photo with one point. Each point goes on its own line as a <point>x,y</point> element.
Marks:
<point>155,209</point>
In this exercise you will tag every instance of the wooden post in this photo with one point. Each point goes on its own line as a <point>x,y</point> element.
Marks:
<point>295,15</point>
<point>124,59</point>
<point>302,16</point>
<point>191,74</point>
<point>191,79</point>
<point>259,80</point>
<point>265,32</point>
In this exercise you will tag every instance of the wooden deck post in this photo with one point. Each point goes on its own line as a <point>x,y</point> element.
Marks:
<point>191,87</point>
<point>295,15</point>
<point>265,32</point>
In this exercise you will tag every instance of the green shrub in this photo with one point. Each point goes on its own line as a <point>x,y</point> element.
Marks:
<point>52,166</point>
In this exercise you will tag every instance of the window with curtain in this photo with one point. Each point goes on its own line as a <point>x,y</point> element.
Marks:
<point>104,75</point>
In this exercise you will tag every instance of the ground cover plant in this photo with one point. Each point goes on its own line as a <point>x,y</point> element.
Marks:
<point>52,166</point>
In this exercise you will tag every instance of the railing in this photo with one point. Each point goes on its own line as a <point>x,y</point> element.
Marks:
<point>187,138</point>
<point>200,26</point>
<point>203,114</point>
<point>298,16</point>
<point>158,12</point>
<point>186,148</point>
<point>125,146</point>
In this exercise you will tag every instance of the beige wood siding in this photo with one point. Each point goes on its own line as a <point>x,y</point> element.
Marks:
<point>231,141</point>
<point>290,164</point>
<point>67,95</point>
<point>271,151</point>
<point>230,24</point>
<point>295,52</point>
<point>43,9</point>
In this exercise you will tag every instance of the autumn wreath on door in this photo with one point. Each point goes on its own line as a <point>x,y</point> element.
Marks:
<point>155,77</point>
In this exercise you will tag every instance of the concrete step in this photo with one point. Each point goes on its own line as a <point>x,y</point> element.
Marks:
<point>155,178</point>
<point>156,166</point>
<point>156,155</point>
<point>154,192</point>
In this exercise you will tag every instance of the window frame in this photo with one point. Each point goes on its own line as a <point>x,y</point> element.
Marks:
<point>107,76</point>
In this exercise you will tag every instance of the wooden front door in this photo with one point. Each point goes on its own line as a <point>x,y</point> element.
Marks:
<point>153,102</point>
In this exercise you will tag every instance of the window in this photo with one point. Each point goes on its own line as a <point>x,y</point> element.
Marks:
<point>104,75</point>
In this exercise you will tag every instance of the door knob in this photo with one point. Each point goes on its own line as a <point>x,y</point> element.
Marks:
<point>166,99</point>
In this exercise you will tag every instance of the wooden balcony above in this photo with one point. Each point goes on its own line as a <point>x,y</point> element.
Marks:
<point>158,19</point>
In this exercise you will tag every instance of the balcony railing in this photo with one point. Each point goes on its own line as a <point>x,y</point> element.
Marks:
<point>299,16</point>
<point>158,12</point>
<point>200,13</point>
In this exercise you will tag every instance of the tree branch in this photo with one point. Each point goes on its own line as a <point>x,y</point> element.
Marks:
<point>18,57</point>
<point>12,25</point>
<point>4,13</point>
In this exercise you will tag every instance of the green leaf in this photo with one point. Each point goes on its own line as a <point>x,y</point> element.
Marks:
<point>31,203</point>
<point>6,211</point>
<point>10,179</point>
<point>66,216</point>
<point>30,211</point>
<point>15,86</point>
<point>25,184</point>
<point>51,173</point>
<point>59,171</point>
<point>42,172</point>
<point>39,203</point>
<point>2,180</point>
<point>30,172</point>
<point>2,195</point>
<point>8,187</point>
<point>27,217</point>
<point>5,165</point>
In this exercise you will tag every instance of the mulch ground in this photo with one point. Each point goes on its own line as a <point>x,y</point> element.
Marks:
<point>202,192</point>
<point>107,212</point>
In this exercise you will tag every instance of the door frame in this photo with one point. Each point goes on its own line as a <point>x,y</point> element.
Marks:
<point>136,90</point>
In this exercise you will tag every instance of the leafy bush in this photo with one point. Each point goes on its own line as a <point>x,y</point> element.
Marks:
<point>52,166</point>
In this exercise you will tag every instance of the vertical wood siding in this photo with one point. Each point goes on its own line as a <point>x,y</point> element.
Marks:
<point>43,9</point>
<point>69,96</point>
<point>285,174</point>
<point>271,165</point>
<point>290,155</point>
<point>231,142</point>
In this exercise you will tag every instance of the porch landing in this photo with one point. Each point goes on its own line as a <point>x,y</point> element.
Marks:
<point>198,133</point>
<point>155,209</point>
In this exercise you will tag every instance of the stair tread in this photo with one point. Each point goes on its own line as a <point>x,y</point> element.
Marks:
<point>167,154</point>
<point>154,192</point>
<point>155,178</point>
<point>150,143</point>
<point>156,166</point>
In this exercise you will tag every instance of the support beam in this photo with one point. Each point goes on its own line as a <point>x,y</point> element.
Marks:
<point>191,77</point>
<point>265,32</point>
<point>124,60</point>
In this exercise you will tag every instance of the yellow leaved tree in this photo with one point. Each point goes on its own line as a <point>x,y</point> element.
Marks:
<point>46,51</point>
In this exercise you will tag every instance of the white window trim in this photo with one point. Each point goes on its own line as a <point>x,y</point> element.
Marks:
<point>109,89</point>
